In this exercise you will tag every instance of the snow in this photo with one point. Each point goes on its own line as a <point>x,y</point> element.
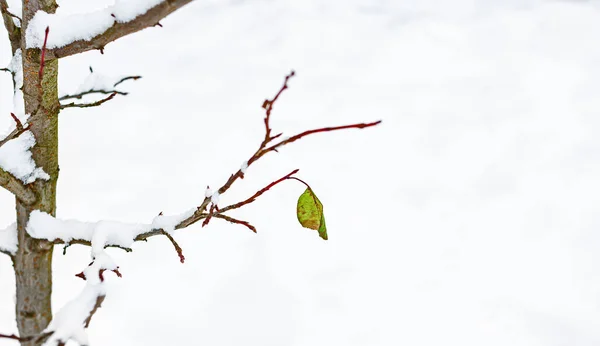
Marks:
<point>96,81</point>
<point>244,167</point>
<point>215,198</point>
<point>8,239</point>
<point>16,67</point>
<point>208,192</point>
<point>16,158</point>
<point>67,28</point>
<point>68,323</point>
<point>16,7</point>
<point>102,233</point>
<point>485,173</point>
<point>168,222</point>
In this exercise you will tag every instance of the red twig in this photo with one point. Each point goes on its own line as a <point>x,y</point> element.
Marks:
<point>12,336</point>
<point>211,213</point>
<point>43,59</point>
<point>259,192</point>
<point>17,121</point>
<point>264,148</point>
<point>233,220</point>
<point>268,106</point>
<point>324,129</point>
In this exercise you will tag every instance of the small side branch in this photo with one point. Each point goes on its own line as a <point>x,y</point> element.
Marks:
<point>87,105</point>
<point>233,220</point>
<point>37,339</point>
<point>209,208</point>
<point>111,94</point>
<point>17,188</point>
<point>19,130</point>
<point>14,32</point>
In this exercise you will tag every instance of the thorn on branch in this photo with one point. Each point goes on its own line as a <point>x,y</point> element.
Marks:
<point>158,24</point>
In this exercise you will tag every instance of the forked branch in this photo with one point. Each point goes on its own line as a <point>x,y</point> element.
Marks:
<point>209,209</point>
<point>110,92</point>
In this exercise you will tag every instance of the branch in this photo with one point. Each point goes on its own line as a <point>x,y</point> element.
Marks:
<point>14,32</point>
<point>203,211</point>
<point>118,30</point>
<point>17,188</point>
<point>87,105</point>
<point>259,192</point>
<point>37,339</point>
<point>19,130</point>
<point>111,93</point>
<point>9,181</point>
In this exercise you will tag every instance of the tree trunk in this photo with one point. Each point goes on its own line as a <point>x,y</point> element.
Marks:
<point>33,260</point>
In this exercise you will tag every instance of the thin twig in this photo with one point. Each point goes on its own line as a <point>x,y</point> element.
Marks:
<point>259,192</point>
<point>87,105</point>
<point>233,220</point>
<point>39,339</point>
<point>176,246</point>
<point>19,130</point>
<point>4,8</point>
<point>126,78</point>
<point>96,91</point>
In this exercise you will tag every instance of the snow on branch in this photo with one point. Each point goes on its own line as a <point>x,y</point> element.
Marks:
<point>77,33</point>
<point>96,84</point>
<point>70,322</point>
<point>106,233</point>
<point>15,158</point>
<point>8,240</point>
<point>17,167</point>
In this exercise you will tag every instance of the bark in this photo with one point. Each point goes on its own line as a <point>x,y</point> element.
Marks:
<point>33,260</point>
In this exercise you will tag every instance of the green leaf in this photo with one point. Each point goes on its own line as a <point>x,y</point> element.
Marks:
<point>310,213</point>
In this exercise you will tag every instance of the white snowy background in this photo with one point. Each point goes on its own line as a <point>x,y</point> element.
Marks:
<point>469,217</point>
